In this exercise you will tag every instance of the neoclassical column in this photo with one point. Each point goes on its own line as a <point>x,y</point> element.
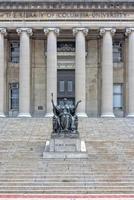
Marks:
<point>2,73</point>
<point>24,72</point>
<point>51,67</point>
<point>80,74</point>
<point>130,34</point>
<point>107,72</point>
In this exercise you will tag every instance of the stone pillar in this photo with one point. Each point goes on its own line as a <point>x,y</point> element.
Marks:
<point>80,74</point>
<point>2,73</point>
<point>107,72</point>
<point>130,34</point>
<point>51,67</point>
<point>24,72</point>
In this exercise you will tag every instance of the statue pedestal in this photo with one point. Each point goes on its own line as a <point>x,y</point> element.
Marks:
<point>65,148</point>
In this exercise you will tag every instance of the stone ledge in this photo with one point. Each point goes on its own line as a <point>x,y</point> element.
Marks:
<point>64,155</point>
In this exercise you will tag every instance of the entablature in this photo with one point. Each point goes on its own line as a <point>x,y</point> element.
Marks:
<point>42,5</point>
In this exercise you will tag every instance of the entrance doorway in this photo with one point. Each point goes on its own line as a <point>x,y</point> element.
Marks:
<point>66,86</point>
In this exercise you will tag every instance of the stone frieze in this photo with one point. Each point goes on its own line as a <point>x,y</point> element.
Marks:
<point>45,16</point>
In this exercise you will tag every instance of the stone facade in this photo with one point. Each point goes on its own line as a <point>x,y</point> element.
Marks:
<point>93,27</point>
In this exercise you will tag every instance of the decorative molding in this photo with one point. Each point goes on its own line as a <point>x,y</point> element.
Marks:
<point>26,30</point>
<point>64,54</point>
<point>104,30</point>
<point>3,31</point>
<point>48,30</point>
<point>129,31</point>
<point>66,66</point>
<point>73,5</point>
<point>76,30</point>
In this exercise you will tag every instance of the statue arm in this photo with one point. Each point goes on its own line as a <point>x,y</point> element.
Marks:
<point>54,107</point>
<point>77,104</point>
<point>52,103</point>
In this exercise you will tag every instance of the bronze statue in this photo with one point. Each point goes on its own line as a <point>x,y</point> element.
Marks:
<point>65,120</point>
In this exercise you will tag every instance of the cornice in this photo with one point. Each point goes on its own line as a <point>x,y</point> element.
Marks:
<point>74,1</point>
<point>73,5</point>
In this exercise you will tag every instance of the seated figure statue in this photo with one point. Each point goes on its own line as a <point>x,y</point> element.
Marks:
<point>73,108</point>
<point>65,119</point>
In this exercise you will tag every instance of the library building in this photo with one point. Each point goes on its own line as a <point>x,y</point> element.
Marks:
<point>79,50</point>
<point>67,99</point>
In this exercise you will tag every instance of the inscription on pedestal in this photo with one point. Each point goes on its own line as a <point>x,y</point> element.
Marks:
<point>65,148</point>
<point>65,145</point>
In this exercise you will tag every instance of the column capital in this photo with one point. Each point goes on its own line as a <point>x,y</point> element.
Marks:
<point>104,30</point>
<point>3,31</point>
<point>26,30</point>
<point>48,30</point>
<point>76,30</point>
<point>129,31</point>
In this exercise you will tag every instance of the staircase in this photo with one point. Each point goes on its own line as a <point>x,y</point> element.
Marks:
<point>108,169</point>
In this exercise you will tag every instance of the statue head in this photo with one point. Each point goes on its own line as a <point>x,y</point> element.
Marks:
<point>65,101</point>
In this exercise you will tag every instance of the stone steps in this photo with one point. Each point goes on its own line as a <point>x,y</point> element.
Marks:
<point>34,164</point>
<point>71,180</point>
<point>81,172</point>
<point>69,189</point>
<point>69,177</point>
<point>82,191</point>
<point>108,169</point>
<point>90,128</point>
<point>64,163</point>
<point>28,168</point>
<point>68,174</point>
<point>65,183</point>
<point>74,170</point>
<point>65,179</point>
<point>96,174</point>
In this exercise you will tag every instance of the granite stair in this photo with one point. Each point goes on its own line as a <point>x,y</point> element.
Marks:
<point>108,169</point>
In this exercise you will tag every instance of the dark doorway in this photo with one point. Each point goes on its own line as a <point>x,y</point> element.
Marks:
<point>66,86</point>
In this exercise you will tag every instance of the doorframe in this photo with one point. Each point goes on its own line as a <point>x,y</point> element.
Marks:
<point>73,70</point>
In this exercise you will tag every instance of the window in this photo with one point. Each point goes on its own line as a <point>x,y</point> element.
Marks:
<point>66,46</point>
<point>70,86</point>
<point>61,86</point>
<point>117,96</point>
<point>14,96</point>
<point>14,48</point>
<point>117,52</point>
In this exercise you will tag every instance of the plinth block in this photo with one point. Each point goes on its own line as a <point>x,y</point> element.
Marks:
<point>65,148</point>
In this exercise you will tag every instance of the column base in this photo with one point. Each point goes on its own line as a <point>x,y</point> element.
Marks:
<point>130,115</point>
<point>24,115</point>
<point>2,115</point>
<point>107,115</point>
<point>49,115</point>
<point>82,114</point>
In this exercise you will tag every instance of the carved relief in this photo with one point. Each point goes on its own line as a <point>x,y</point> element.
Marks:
<point>66,66</point>
<point>55,5</point>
